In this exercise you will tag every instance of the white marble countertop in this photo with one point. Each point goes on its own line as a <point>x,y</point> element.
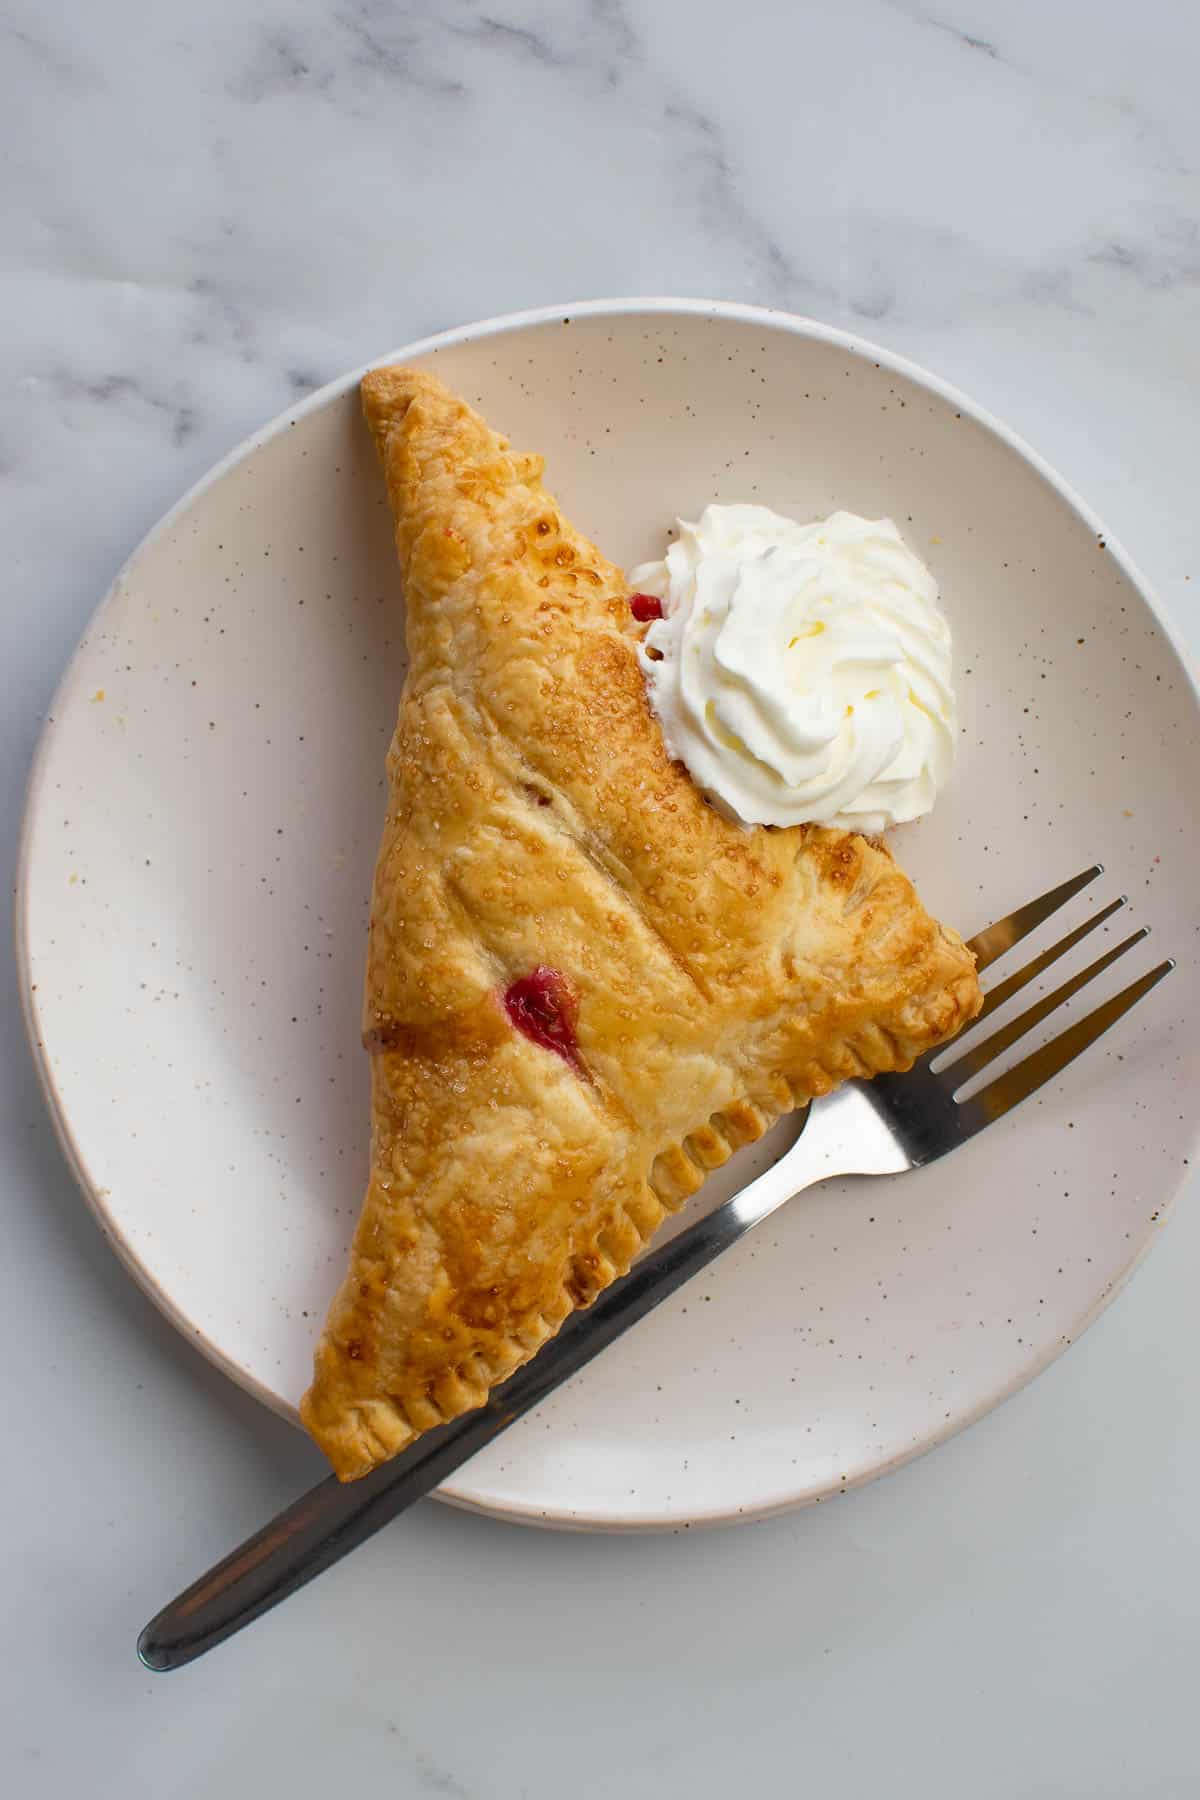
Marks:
<point>210,209</point>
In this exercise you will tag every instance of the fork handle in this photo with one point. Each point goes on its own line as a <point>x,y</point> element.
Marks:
<point>333,1517</point>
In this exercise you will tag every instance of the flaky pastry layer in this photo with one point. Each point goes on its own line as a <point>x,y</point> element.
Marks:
<point>723,974</point>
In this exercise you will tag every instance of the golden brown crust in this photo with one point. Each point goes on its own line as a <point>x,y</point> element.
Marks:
<point>723,974</point>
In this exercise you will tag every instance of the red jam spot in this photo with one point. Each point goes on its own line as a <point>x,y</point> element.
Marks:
<point>545,1007</point>
<point>645,607</point>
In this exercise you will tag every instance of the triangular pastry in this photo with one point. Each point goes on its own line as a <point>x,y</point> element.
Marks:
<point>585,986</point>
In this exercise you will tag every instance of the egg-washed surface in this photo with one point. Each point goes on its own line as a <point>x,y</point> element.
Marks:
<point>551,881</point>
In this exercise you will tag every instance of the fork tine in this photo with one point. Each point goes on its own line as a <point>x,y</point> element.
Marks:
<point>1004,990</point>
<point>971,1062</point>
<point>995,939</point>
<point>1016,1084</point>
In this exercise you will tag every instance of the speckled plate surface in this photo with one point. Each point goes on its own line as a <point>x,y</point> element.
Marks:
<point>202,827</point>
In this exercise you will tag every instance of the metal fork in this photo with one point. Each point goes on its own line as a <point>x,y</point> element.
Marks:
<point>879,1127</point>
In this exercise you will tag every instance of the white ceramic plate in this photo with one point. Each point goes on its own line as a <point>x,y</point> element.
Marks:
<point>202,828</point>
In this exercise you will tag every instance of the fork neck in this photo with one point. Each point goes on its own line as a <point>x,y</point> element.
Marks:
<point>842,1135</point>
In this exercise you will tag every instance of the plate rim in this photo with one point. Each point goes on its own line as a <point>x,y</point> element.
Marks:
<point>500,325</point>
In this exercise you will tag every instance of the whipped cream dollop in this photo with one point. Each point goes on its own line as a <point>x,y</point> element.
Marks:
<point>801,673</point>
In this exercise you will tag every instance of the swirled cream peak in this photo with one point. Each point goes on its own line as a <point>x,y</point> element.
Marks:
<point>801,673</point>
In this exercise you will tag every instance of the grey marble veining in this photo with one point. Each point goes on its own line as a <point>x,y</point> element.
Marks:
<point>209,210</point>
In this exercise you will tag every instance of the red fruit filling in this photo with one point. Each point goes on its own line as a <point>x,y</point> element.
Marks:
<point>645,607</point>
<point>545,1007</point>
